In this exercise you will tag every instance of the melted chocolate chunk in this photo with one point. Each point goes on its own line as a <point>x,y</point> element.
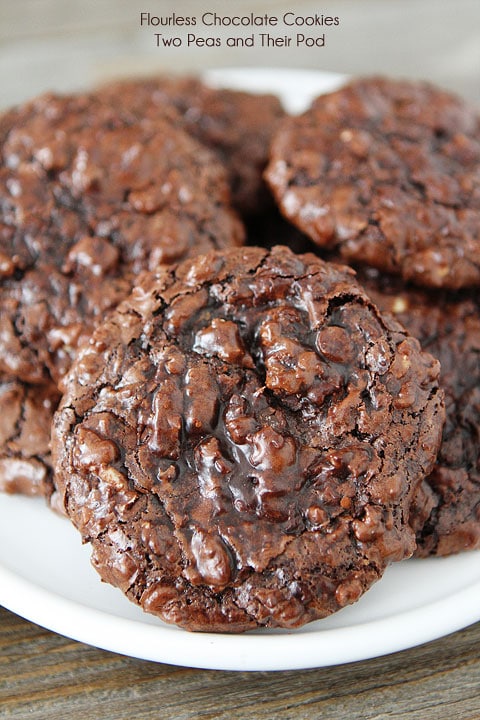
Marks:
<point>242,439</point>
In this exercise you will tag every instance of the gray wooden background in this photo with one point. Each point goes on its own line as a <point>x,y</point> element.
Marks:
<point>67,44</point>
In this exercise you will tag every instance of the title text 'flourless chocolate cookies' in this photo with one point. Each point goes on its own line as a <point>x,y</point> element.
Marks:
<point>242,438</point>
<point>388,172</point>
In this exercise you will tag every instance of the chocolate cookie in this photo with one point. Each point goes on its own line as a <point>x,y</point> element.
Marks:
<point>446,514</point>
<point>387,172</point>
<point>89,197</point>
<point>241,440</point>
<point>26,413</point>
<point>238,126</point>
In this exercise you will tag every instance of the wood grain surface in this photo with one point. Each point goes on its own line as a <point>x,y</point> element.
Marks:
<point>44,676</point>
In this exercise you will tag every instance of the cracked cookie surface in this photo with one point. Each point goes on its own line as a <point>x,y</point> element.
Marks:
<point>238,126</point>
<point>446,513</point>
<point>89,198</point>
<point>241,440</point>
<point>388,173</point>
<point>26,413</point>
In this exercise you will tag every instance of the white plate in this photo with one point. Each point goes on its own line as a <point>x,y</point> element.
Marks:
<point>45,573</point>
<point>295,88</point>
<point>46,576</point>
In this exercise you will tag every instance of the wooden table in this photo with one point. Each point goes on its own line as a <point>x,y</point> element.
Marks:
<point>47,677</point>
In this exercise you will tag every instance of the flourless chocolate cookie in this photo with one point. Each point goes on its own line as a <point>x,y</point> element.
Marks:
<point>238,126</point>
<point>387,172</point>
<point>89,197</point>
<point>26,413</point>
<point>242,438</point>
<point>446,514</point>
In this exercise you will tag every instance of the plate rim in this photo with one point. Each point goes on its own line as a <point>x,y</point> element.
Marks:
<point>257,652</point>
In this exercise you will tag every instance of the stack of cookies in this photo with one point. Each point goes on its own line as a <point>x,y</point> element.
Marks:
<point>247,435</point>
<point>385,176</point>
